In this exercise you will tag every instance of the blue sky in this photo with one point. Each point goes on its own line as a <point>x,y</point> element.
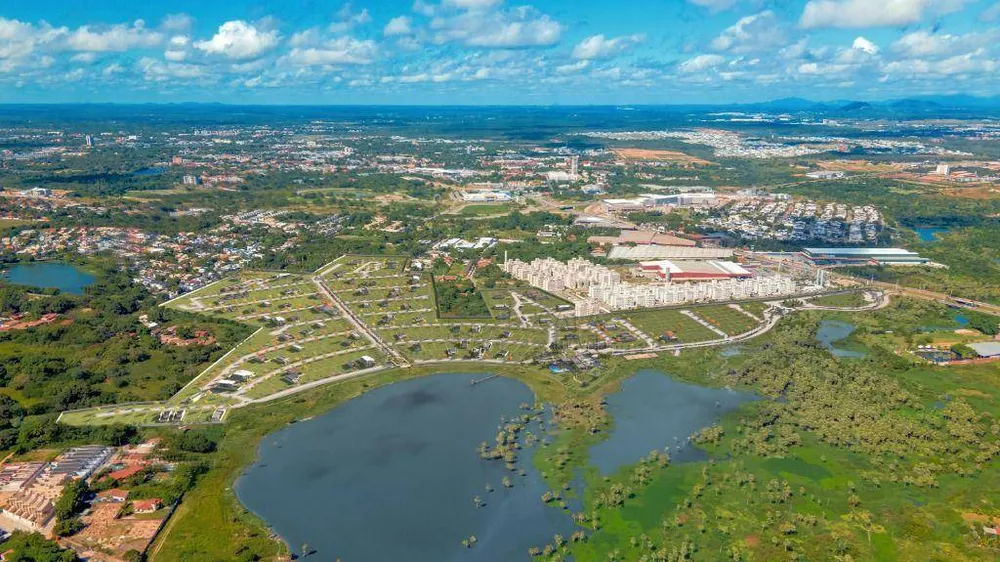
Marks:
<point>495,51</point>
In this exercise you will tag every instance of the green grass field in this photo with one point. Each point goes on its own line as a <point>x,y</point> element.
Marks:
<point>846,300</point>
<point>732,322</point>
<point>484,210</point>
<point>657,323</point>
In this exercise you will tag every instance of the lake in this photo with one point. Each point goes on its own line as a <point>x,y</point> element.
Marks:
<point>830,332</point>
<point>49,275</point>
<point>930,234</point>
<point>655,412</point>
<point>392,474</point>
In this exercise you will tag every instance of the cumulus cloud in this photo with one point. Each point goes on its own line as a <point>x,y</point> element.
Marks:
<point>873,13</point>
<point>701,63</point>
<point>976,62</point>
<point>921,44</point>
<point>347,19</point>
<point>572,68</point>
<point>239,40</point>
<point>19,40</point>
<point>339,51</point>
<point>403,25</point>
<point>865,46</point>
<point>753,33</point>
<point>483,26</point>
<point>116,38</point>
<point>600,47</point>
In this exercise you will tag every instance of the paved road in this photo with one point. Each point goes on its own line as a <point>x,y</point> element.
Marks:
<point>362,328</point>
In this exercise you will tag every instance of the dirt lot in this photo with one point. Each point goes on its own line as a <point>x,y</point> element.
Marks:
<point>105,534</point>
<point>660,155</point>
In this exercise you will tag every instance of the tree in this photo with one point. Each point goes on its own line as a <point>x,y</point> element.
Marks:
<point>71,501</point>
<point>33,547</point>
<point>67,527</point>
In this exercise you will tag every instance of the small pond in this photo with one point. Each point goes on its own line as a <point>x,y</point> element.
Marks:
<point>49,275</point>
<point>929,233</point>
<point>830,332</point>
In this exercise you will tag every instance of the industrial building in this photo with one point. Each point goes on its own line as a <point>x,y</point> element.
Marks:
<point>641,238</point>
<point>634,253</point>
<point>486,196</point>
<point>653,200</point>
<point>679,272</point>
<point>864,256</point>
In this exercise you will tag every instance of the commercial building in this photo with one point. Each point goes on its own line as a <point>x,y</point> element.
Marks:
<point>861,256</point>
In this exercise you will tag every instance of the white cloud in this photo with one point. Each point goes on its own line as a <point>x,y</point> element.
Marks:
<point>865,46</point>
<point>112,69</point>
<point>239,40</point>
<point>753,33</point>
<point>403,25</point>
<point>970,63</point>
<point>342,50</point>
<point>572,68</point>
<point>177,23</point>
<point>473,4</point>
<point>599,47</point>
<point>177,48</point>
<point>348,20</point>
<point>118,38</point>
<point>919,44</point>
<point>714,5</point>
<point>87,58</point>
<point>522,26</point>
<point>159,71</point>
<point>873,13</point>
<point>701,63</point>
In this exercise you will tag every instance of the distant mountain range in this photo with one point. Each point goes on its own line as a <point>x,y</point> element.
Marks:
<point>957,102</point>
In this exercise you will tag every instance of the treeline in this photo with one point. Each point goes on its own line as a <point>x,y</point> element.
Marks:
<point>99,352</point>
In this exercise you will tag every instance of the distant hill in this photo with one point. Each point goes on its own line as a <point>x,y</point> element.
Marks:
<point>856,106</point>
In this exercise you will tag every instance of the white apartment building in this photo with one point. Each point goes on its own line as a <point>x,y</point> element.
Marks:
<point>625,296</point>
<point>553,275</point>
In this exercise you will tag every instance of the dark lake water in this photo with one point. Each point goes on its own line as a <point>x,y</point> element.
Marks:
<point>391,476</point>
<point>929,234</point>
<point>830,332</point>
<point>49,275</point>
<point>654,412</point>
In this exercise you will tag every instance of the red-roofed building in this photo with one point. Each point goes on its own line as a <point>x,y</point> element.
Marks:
<point>127,472</point>
<point>116,495</point>
<point>147,506</point>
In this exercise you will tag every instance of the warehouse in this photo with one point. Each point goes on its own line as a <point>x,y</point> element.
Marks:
<point>680,272</point>
<point>880,256</point>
